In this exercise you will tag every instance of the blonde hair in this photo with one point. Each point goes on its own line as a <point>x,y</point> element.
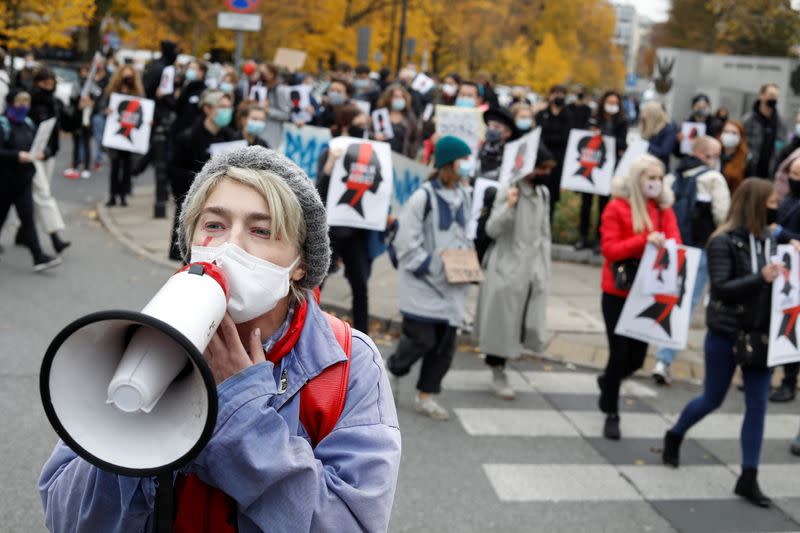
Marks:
<point>636,199</point>
<point>653,119</point>
<point>286,215</point>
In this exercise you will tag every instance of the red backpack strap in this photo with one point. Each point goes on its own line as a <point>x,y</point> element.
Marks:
<point>322,399</point>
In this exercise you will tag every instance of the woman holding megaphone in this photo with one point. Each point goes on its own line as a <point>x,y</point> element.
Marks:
<point>268,465</point>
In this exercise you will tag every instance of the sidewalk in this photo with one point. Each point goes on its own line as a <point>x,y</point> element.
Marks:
<point>574,317</point>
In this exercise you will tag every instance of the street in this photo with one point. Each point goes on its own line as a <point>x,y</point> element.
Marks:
<point>538,463</point>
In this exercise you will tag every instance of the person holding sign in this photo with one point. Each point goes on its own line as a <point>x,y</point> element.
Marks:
<point>17,172</point>
<point>432,222</point>
<point>741,270</point>
<point>252,122</point>
<point>404,122</point>
<point>639,214</point>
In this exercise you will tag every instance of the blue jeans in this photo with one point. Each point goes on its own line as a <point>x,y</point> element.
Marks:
<point>667,355</point>
<point>719,373</point>
<point>98,125</point>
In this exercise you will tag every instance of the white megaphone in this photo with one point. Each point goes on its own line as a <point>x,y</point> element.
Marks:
<point>130,392</point>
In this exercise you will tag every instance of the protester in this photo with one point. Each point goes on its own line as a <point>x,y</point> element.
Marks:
<point>702,200</point>
<point>191,150</point>
<point>658,130</point>
<point>261,461</point>
<point>468,95</point>
<point>523,117</point>
<point>432,220</point>
<point>701,112</point>
<point>338,94</point>
<point>17,173</point>
<point>580,109</point>
<point>448,89</point>
<point>404,122</point>
<point>792,145</point>
<point>252,121</point>
<point>351,245</point>
<point>96,91</point>
<point>365,88</point>
<point>765,131</point>
<point>735,155</point>
<point>81,133</point>
<point>639,214</point>
<point>741,272</point>
<point>485,89</point>
<point>556,122</point>
<point>513,298</point>
<point>722,114</point>
<point>500,129</point>
<point>187,110</point>
<point>611,121</point>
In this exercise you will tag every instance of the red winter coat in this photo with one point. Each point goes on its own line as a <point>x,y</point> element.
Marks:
<point>618,241</point>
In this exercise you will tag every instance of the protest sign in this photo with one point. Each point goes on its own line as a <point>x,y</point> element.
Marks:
<point>129,123</point>
<point>303,145</point>
<point>167,83</point>
<point>408,176</point>
<point>635,150</point>
<point>478,193</point>
<point>465,123</point>
<point>291,60</point>
<point>258,93</point>
<point>221,148</point>
<point>42,137</point>
<point>662,318</point>
<point>461,265</point>
<point>589,162</point>
<point>519,157</point>
<point>360,188</point>
<point>87,84</point>
<point>422,83</point>
<point>783,324</point>
<point>691,131</point>
<point>297,99</point>
<point>381,124</point>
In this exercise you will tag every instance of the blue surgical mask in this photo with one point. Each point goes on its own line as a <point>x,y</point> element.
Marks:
<point>465,101</point>
<point>255,127</point>
<point>398,104</point>
<point>336,98</point>
<point>191,74</point>
<point>223,117</point>
<point>226,87</point>
<point>360,83</point>
<point>524,124</point>
<point>464,168</point>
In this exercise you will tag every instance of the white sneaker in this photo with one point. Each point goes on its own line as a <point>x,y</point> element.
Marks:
<point>661,373</point>
<point>500,383</point>
<point>85,174</point>
<point>430,408</point>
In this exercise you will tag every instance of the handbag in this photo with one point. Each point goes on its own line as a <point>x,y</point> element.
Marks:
<point>624,273</point>
<point>750,349</point>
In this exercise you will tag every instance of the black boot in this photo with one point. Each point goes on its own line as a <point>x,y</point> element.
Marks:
<point>59,245</point>
<point>19,240</point>
<point>111,201</point>
<point>671,455</point>
<point>123,201</point>
<point>747,487</point>
<point>611,427</point>
<point>784,393</point>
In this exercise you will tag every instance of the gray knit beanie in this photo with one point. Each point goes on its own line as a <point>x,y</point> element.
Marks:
<point>316,248</point>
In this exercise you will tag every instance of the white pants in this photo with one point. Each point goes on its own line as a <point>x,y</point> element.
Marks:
<point>48,216</point>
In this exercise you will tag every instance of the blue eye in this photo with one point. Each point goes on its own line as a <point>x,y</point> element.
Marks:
<point>212,226</point>
<point>263,232</point>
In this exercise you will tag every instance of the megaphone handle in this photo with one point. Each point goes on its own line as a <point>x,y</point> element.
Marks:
<point>165,502</point>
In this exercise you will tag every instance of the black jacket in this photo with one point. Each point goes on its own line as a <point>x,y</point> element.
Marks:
<point>187,109</point>
<point>789,219</point>
<point>191,153</point>
<point>740,299</point>
<point>555,131</point>
<point>20,138</point>
<point>44,106</point>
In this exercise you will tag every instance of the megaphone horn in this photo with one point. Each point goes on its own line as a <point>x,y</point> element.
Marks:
<point>130,391</point>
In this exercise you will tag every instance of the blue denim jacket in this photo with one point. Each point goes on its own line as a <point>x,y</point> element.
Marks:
<point>260,454</point>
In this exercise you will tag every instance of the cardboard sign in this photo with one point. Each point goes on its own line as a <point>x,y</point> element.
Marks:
<point>519,157</point>
<point>635,150</point>
<point>129,123</point>
<point>304,145</point>
<point>381,123</point>
<point>783,325</point>
<point>461,266</point>
<point>662,318</point>
<point>360,189</point>
<point>465,123</point>
<point>422,83</point>
<point>296,99</point>
<point>292,60</point>
<point>408,176</point>
<point>478,193</point>
<point>589,162</point>
<point>167,84</point>
<point>691,131</point>
<point>42,137</point>
<point>221,148</point>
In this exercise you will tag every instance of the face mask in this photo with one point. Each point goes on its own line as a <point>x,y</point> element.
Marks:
<point>794,187</point>
<point>729,140</point>
<point>493,135</point>
<point>336,98</point>
<point>255,127</point>
<point>772,104</point>
<point>772,216</point>
<point>580,96</point>
<point>128,81</point>
<point>17,113</point>
<point>524,124</point>
<point>223,117</point>
<point>464,168</point>
<point>191,74</point>
<point>226,87</point>
<point>465,101</point>
<point>449,89</point>
<point>611,109</point>
<point>652,189</point>
<point>360,84</point>
<point>356,131</point>
<point>559,101</point>
<point>256,285</point>
<point>702,112</point>
<point>398,104</point>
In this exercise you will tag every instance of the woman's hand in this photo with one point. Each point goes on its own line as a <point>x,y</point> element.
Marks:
<point>333,155</point>
<point>25,157</point>
<point>657,238</point>
<point>771,271</point>
<point>513,197</point>
<point>796,244</point>
<point>226,355</point>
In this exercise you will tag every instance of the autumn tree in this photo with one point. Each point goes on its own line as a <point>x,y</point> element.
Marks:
<point>691,24</point>
<point>550,66</point>
<point>26,24</point>
<point>756,27</point>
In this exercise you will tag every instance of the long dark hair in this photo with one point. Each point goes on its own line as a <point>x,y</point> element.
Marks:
<point>342,118</point>
<point>748,207</point>
<point>601,112</point>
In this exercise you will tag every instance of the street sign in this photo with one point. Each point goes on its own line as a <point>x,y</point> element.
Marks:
<point>630,80</point>
<point>238,21</point>
<point>242,6</point>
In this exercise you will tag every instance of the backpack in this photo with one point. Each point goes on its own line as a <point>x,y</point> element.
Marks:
<point>695,220</point>
<point>322,401</point>
<point>5,125</point>
<point>391,232</point>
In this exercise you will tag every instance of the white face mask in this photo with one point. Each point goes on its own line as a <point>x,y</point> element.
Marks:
<point>256,285</point>
<point>611,109</point>
<point>729,140</point>
<point>651,189</point>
